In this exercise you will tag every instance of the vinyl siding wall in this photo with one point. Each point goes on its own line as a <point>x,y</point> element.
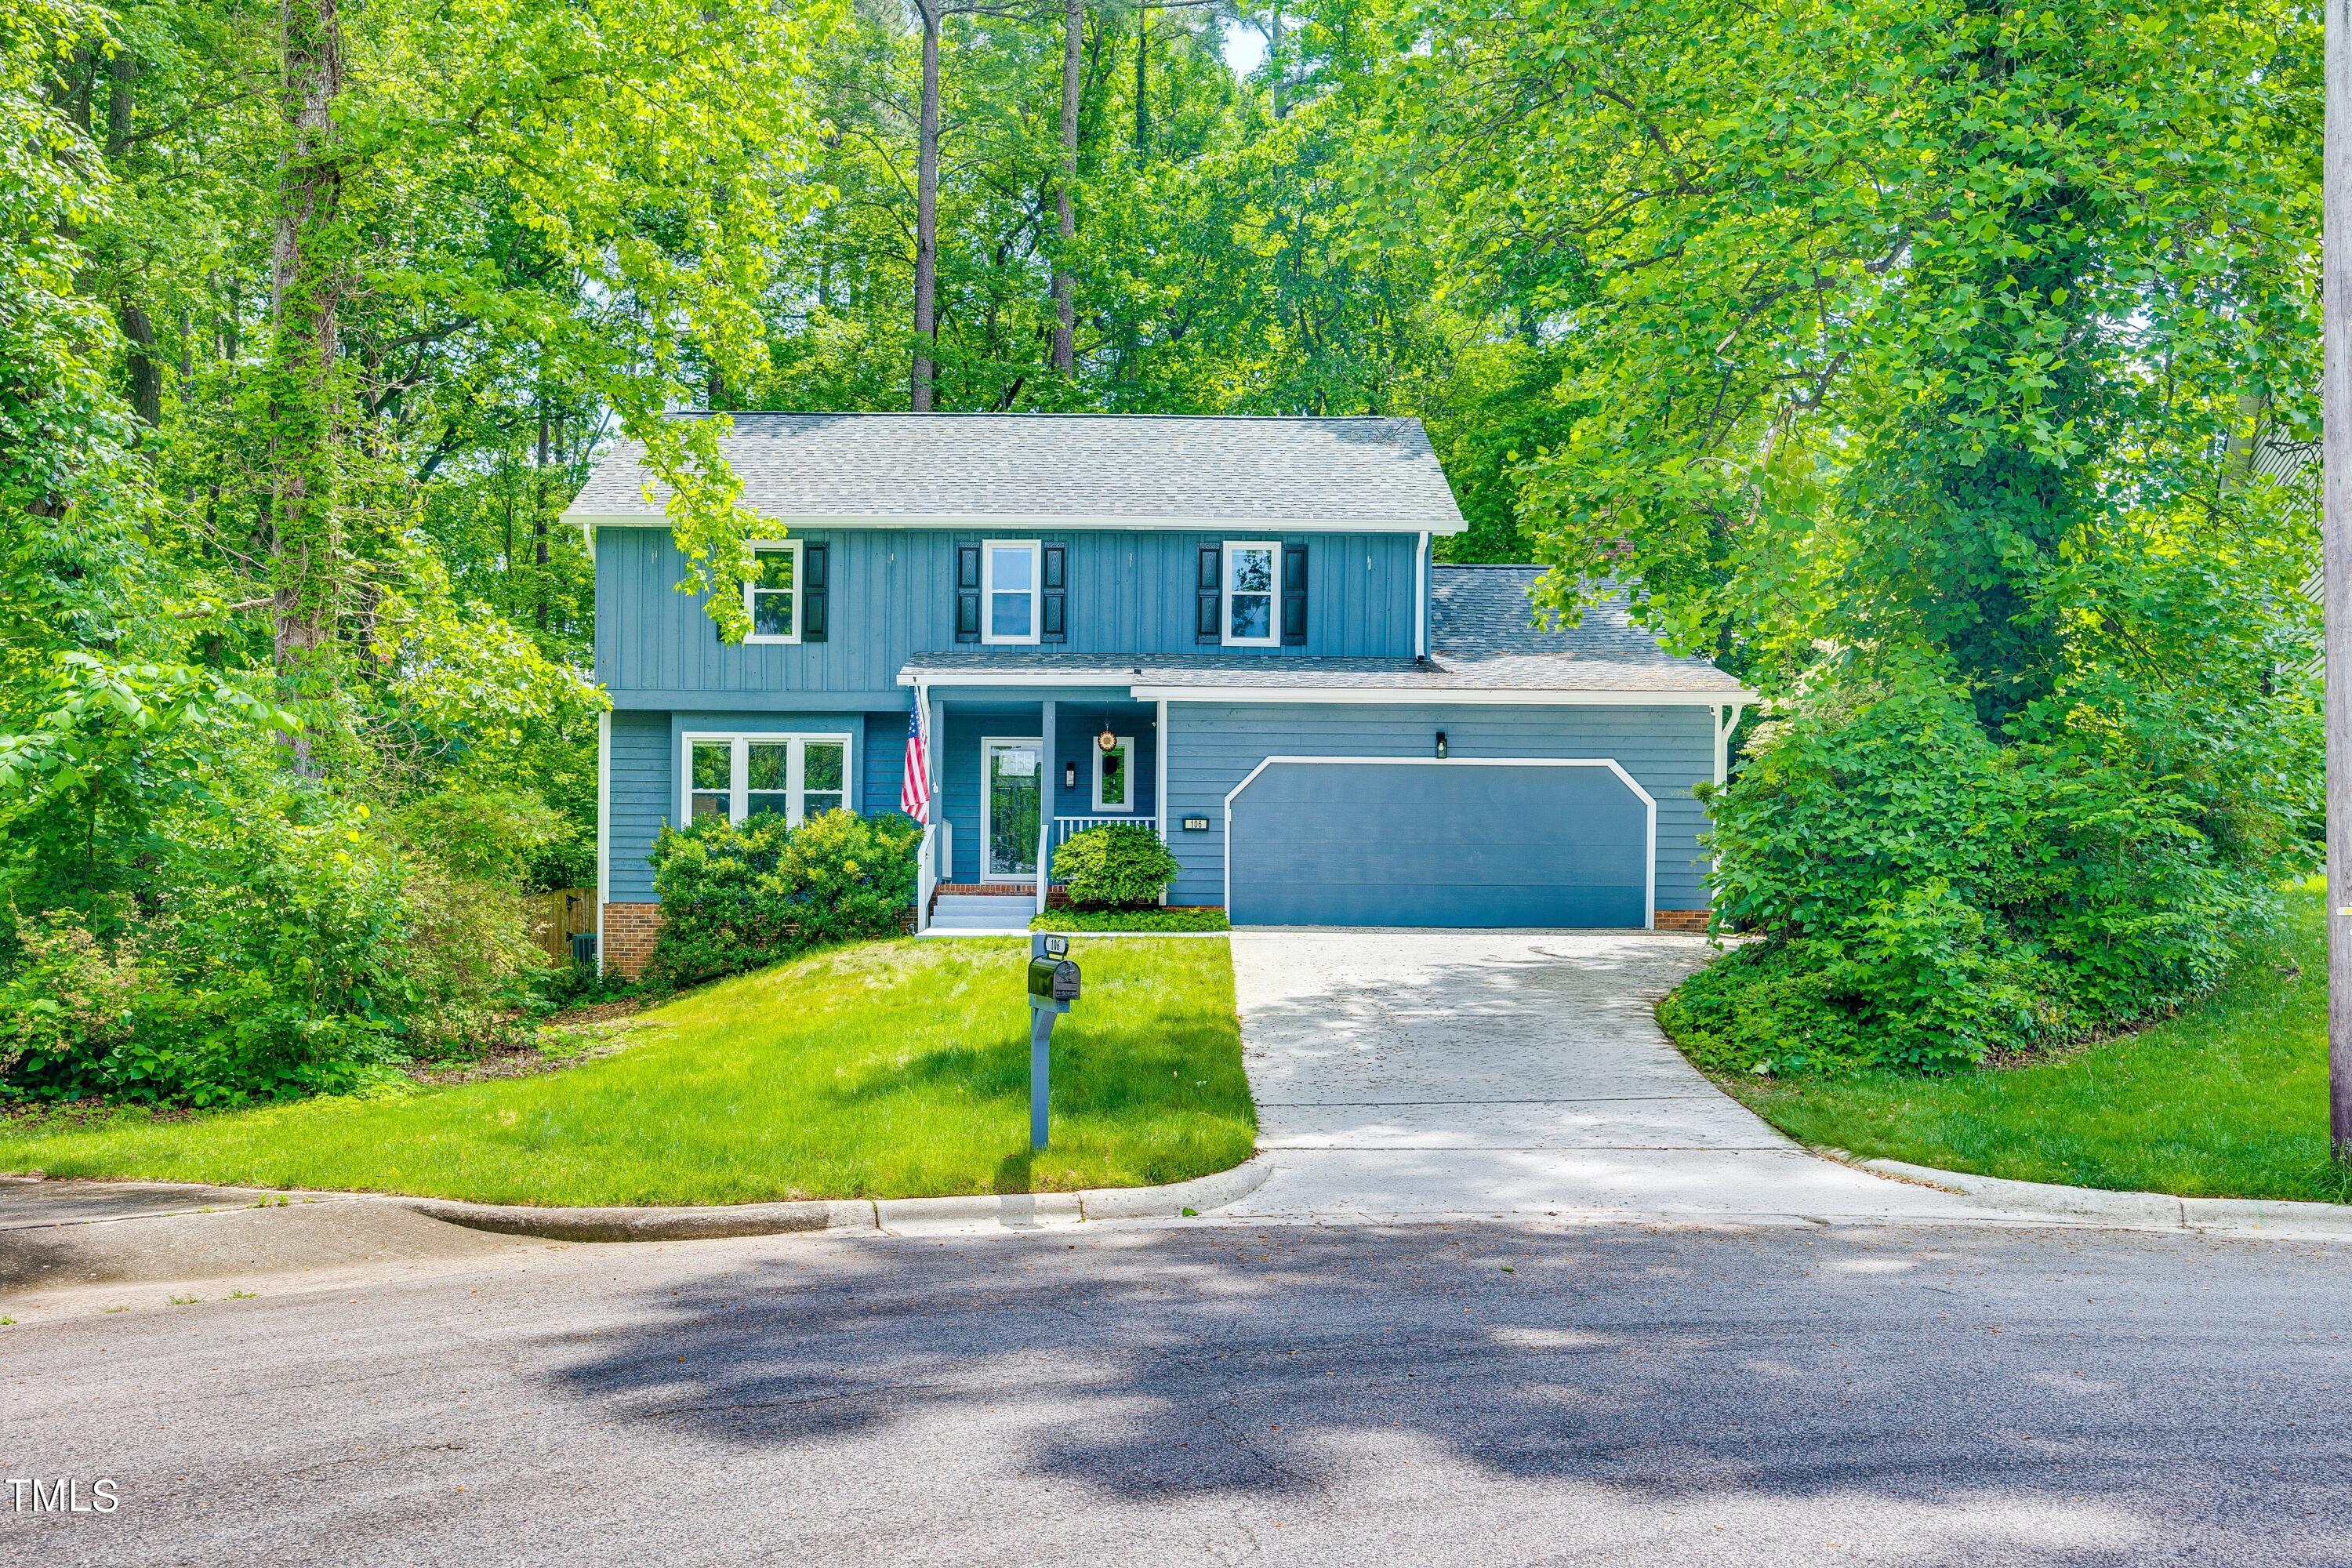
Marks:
<point>892,595</point>
<point>642,794</point>
<point>648,746</point>
<point>1213,746</point>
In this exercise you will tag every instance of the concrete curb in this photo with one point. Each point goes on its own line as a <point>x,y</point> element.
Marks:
<point>2140,1211</point>
<point>1200,1194</point>
<point>1011,1211</point>
<point>648,1224</point>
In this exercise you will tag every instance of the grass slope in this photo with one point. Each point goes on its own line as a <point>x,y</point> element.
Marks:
<point>888,1069</point>
<point>2227,1100</point>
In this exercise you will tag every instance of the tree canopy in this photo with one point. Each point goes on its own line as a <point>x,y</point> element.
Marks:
<point>1927,364</point>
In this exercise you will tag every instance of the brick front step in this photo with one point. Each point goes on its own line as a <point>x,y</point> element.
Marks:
<point>1056,896</point>
<point>1683,919</point>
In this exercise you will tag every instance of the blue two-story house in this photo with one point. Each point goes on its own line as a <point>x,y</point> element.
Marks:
<point>1232,629</point>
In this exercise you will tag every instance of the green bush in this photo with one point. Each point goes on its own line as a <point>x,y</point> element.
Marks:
<point>294,950</point>
<point>1120,866</point>
<point>736,897</point>
<point>1186,918</point>
<point>1924,896</point>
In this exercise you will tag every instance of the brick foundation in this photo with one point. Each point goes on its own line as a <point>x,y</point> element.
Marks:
<point>628,940</point>
<point>1683,919</point>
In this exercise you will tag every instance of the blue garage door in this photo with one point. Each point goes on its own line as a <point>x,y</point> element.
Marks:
<point>1439,844</point>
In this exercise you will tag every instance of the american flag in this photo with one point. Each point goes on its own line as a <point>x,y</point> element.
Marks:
<point>915,786</point>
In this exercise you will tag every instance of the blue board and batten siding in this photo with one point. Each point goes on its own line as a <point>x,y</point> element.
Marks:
<point>648,751</point>
<point>891,594</point>
<point>1213,747</point>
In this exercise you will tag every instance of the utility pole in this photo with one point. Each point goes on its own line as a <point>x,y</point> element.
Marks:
<point>2335,532</point>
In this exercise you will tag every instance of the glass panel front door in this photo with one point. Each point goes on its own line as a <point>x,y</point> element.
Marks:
<point>1009,805</point>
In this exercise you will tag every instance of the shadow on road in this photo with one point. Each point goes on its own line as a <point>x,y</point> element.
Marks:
<point>2087,1398</point>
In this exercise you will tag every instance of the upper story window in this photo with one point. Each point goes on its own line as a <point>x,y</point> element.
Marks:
<point>1250,578</point>
<point>739,776</point>
<point>1011,577</point>
<point>773,596</point>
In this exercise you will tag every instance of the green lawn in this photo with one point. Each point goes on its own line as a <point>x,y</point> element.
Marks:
<point>2228,1099</point>
<point>889,1069</point>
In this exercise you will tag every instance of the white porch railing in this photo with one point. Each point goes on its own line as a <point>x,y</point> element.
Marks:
<point>1065,825</point>
<point>925,878</point>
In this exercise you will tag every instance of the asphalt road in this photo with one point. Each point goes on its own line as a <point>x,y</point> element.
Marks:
<point>1225,1394</point>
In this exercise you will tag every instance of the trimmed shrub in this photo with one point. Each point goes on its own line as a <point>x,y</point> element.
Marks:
<point>736,897</point>
<point>1184,918</point>
<point>1120,866</point>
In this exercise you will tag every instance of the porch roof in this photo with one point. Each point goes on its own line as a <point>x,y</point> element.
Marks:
<point>1443,676</point>
<point>1486,644</point>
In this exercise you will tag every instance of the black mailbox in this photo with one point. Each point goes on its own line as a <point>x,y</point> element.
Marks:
<point>1055,979</point>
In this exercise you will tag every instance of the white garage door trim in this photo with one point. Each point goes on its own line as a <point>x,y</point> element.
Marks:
<point>1649,804</point>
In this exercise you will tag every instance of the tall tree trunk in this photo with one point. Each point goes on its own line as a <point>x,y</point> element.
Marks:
<point>306,544</point>
<point>123,75</point>
<point>927,215</point>
<point>1142,81</point>
<point>538,513</point>
<point>1065,219</point>
<point>1274,58</point>
<point>146,378</point>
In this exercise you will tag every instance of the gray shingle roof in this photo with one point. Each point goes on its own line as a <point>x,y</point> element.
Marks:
<point>1136,469</point>
<point>1483,637</point>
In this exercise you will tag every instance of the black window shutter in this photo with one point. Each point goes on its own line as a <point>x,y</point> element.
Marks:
<point>1054,600</point>
<point>967,623</point>
<point>1204,627</point>
<point>813,576</point>
<point>1294,595</point>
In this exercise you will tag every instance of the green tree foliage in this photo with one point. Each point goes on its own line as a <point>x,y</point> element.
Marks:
<point>1912,359</point>
<point>321,313</point>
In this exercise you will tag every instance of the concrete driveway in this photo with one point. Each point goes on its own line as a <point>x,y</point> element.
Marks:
<point>1428,1074</point>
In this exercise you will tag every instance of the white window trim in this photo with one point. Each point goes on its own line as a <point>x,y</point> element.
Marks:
<point>739,769</point>
<point>773,547</point>
<point>1125,744</point>
<point>1044,803</point>
<point>988,548</point>
<point>1272,639</point>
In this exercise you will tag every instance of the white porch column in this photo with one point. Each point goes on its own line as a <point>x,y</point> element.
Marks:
<point>1048,801</point>
<point>926,865</point>
<point>935,755</point>
<point>1159,775</point>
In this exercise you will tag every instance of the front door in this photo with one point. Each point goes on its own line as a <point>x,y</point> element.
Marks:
<point>1011,772</point>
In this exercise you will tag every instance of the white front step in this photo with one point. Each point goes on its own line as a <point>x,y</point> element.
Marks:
<point>984,903</point>
<point>982,911</point>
